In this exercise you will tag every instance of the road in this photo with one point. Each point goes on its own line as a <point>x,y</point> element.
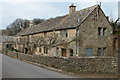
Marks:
<point>12,68</point>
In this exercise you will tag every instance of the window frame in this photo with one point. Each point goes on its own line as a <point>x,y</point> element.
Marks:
<point>40,50</point>
<point>99,52</point>
<point>99,31</point>
<point>57,51</point>
<point>71,50</point>
<point>64,33</point>
<point>104,51</point>
<point>104,31</point>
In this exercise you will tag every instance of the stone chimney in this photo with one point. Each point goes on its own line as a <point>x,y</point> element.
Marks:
<point>72,8</point>
<point>31,23</point>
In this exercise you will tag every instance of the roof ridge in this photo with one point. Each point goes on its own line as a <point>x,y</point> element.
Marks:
<point>79,11</point>
<point>60,22</point>
<point>89,13</point>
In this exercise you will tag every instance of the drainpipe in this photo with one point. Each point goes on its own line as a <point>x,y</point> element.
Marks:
<point>77,28</point>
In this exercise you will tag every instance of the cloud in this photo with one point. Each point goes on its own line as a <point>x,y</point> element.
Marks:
<point>45,10</point>
<point>30,10</point>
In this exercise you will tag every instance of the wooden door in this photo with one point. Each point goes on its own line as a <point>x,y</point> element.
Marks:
<point>63,52</point>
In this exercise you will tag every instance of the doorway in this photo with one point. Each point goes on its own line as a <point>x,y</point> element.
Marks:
<point>63,52</point>
<point>26,50</point>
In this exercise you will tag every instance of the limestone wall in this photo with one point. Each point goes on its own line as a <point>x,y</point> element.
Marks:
<point>74,65</point>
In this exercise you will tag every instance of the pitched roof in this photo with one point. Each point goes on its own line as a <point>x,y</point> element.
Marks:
<point>6,39</point>
<point>62,22</point>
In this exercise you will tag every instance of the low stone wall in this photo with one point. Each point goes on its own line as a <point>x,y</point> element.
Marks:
<point>75,65</point>
<point>11,54</point>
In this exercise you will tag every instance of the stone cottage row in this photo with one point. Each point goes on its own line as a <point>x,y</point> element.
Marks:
<point>86,32</point>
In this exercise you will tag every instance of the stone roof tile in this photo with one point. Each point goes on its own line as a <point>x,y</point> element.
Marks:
<point>62,22</point>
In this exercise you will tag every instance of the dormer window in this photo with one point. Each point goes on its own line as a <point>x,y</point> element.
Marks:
<point>64,33</point>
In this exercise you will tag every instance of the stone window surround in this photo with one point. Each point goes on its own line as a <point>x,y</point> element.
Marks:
<point>101,53</point>
<point>64,33</point>
<point>57,51</point>
<point>102,31</point>
<point>40,49</point>
<point>71,52</point>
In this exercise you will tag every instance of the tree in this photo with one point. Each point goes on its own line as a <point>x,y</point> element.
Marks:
<point>20,24</point>
<point>116,27</point>
<point>17,26</point>
<point>26,23</point>
<point>48,41</point>
<point>38,20</point>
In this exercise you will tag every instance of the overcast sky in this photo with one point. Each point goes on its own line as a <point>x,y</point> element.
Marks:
<point>29,9</point>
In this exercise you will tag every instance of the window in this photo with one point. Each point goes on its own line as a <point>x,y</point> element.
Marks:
<point>104,31</point>
<point>89,52</point>
<point>99,31</point>
<point>64,33</point>
<point>9,46</point>
<point>104,52</point>
<point>40,50</point>
<point>71,52</point>
<point>57,51</point>
<point>99,51</point>
<point>45,50</point>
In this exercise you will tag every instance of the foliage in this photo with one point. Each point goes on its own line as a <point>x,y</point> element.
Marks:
<point>19,25</point>
<point>116,27</point>
<point>38,21</point>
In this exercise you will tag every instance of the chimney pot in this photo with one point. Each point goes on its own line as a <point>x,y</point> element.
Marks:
<point>72,8</point>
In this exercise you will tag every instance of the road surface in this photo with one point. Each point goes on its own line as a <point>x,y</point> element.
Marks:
<point>12,68</point>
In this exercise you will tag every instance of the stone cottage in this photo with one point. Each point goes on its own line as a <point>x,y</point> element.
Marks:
<point>86,32</point>
<point>6,42</point>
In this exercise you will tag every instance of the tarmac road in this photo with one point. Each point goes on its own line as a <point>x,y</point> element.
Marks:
<point>12,68</point>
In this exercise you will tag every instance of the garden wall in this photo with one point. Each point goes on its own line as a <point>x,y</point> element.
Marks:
<point>74,65</point>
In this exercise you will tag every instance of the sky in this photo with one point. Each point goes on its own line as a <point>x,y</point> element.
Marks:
<point>45,9</point>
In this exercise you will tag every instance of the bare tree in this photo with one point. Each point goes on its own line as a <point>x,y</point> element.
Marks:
<point>48,41</point>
